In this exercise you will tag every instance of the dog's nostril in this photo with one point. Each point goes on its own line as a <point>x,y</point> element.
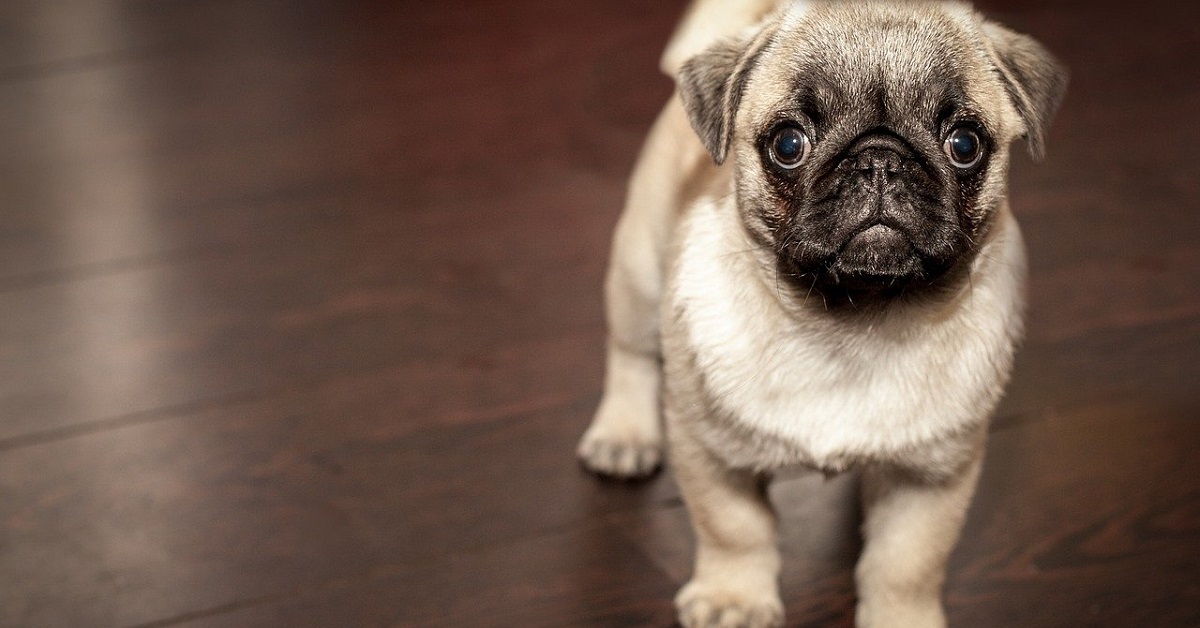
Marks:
<point>881,160</point>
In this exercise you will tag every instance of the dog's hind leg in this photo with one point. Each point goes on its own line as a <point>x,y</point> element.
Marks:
<point>625,438</point>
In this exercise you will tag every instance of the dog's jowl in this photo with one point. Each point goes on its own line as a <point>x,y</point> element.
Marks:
<point>817,267</point>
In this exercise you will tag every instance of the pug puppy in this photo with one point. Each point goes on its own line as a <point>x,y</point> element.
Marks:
<point>817,267</point>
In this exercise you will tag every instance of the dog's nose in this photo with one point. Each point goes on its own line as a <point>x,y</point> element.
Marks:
<point>879,152</point>
<point>877,156</point>
<point>881,139</point>
<point>878,159</point>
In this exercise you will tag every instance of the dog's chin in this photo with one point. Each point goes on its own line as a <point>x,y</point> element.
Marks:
<point>876,266</point>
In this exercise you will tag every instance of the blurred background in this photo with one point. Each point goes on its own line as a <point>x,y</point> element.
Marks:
<point>300,319</point>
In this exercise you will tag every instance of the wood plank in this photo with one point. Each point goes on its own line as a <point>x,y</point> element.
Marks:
<point>257,502</point>
<point>1086,518</point>
<point>580,577</point>
<point>300,320</point>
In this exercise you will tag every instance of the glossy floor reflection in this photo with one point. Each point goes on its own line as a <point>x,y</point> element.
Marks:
<point>301,319</point>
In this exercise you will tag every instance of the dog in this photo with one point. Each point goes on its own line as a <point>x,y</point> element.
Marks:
<point>817,267</point>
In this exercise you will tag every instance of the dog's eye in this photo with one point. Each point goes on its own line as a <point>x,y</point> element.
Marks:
<point>789,147</point>
<point>963,147</point>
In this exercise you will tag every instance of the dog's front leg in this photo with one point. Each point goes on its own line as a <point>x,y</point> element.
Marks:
<point>625,437</point>
<point>735,583</point>
<point>910,528</point>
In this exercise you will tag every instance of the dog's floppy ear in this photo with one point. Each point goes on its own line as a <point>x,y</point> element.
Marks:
<point>1035,80</point>
<point>711,85</point>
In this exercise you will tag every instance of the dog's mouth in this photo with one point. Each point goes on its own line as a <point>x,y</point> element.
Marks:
<point>877,255</point>
<point>878,260</point>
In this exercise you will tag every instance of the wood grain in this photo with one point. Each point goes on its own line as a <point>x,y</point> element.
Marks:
<point>300,318</point>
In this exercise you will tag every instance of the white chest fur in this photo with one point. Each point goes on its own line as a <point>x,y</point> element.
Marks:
<point>799,385</point>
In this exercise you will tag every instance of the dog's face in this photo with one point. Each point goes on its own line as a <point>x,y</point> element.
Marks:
<point>871,139</point>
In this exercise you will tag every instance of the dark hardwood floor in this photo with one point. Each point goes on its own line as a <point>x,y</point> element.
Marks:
<point>300,319</point>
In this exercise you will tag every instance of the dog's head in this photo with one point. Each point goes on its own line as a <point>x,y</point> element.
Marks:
<point>871,139</point>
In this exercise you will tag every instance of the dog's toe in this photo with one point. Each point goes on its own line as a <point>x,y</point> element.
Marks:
<point>716,609</point>
<point>618,459</point>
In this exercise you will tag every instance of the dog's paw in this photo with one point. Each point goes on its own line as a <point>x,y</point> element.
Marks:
<point>703,606</point>
<point>619,457</point>
<point>899,613</point>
